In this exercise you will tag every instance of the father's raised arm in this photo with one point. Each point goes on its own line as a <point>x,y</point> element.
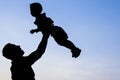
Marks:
<point>34,56</point>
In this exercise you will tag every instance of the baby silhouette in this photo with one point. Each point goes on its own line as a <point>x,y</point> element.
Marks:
<point>46,24</point>
<point>21,65</point>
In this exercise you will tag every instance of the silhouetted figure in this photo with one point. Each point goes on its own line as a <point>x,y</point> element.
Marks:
<point>45,23</point>
<point>21,65</point>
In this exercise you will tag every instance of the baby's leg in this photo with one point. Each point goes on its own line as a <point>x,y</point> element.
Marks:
<point>68,44</point>
<point>61,38</point>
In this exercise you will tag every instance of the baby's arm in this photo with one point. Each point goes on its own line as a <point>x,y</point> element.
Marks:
<point>34,30</point>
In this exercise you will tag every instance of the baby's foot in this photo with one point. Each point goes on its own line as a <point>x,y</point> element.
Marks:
<point>76,52</point>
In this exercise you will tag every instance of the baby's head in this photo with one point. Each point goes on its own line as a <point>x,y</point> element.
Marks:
<point>36,9</point>
<point>12,51</point>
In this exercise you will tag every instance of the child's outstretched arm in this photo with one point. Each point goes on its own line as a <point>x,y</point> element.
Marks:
<point>34,30</point>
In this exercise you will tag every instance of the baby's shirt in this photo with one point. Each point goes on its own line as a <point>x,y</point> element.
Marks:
<point>42,20</point>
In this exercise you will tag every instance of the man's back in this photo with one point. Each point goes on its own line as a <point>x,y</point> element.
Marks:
<point>21,70</point>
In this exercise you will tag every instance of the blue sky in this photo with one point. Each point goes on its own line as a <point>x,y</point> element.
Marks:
<point>92,25</point>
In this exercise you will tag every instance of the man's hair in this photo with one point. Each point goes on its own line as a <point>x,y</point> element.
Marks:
<point>36,6</point>
<point>8,50</point>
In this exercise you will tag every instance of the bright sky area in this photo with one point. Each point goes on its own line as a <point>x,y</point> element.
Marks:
<point>92,25</point>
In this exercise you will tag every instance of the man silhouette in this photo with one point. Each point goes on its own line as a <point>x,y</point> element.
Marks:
<point>21,65</point>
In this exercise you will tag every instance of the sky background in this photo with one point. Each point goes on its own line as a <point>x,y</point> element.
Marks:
<point>92,25</point>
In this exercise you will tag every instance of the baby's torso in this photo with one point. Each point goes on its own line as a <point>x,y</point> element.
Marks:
<point>42,20</point>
